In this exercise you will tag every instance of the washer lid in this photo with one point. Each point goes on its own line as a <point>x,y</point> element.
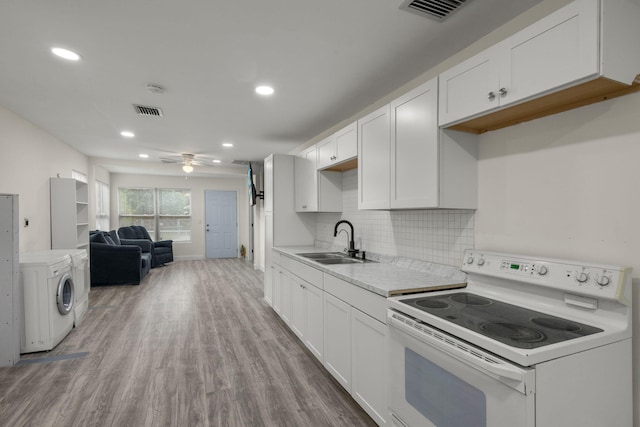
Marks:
<point>47,258</point>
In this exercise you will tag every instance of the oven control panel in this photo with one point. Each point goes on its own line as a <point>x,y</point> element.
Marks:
<point>600,281</point>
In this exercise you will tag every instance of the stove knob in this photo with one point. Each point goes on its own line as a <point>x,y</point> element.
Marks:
<point>542,270</point>
<point>469,260</point>
<point>603,280</point>
<point>582,277</point>
<point>481,261</point>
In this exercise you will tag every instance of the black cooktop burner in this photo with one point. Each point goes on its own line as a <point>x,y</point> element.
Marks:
<point>512,325</point>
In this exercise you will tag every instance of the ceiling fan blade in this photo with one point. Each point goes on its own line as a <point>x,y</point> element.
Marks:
<point>170,160</point>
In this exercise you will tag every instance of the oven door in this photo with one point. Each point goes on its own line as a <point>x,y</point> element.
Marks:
<point>438,380</point>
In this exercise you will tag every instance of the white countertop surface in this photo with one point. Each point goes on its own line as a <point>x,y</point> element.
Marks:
<point>392,276</point>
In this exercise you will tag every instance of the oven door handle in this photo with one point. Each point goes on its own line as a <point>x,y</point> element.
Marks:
<point>456,348</point>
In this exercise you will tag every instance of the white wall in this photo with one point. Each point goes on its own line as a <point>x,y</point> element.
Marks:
<point>196,248</point>
<point>567,186</point>
<point>28,158</point>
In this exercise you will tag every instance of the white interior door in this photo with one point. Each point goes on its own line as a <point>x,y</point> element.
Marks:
<point>221,224</point>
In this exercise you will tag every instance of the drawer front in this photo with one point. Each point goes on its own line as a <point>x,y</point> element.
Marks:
<point>305,272</point>
<point>372,304</point>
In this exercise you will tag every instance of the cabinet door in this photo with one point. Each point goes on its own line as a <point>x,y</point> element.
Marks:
<point>559,49</point>
<point>346,143</point>
<point>373,160</point>
<point>286,294</point>
<point>297,307</point>
<point>276,302</point>
<point>369,375</point>
<point>337,339</point>
<point>268,257</point>
<point>470,87</point>
<point>326,152</point>
<point>414,148</point>
<point>306,181</point>
<point>314,325</point>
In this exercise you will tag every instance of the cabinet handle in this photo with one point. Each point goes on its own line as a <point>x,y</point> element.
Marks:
<point>503,91</point>
<point>304,206</point>
<point>491,96</point>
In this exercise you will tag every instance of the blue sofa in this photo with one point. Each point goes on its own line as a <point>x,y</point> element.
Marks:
<point>161,251</point>
<point>117,262</point>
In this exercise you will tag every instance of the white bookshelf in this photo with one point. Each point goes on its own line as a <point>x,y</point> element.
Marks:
<point>69,214</point>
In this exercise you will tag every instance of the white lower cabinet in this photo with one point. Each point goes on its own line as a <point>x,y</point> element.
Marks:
<point>369,365</point>
<point>313,338</point>
<point>306,315</point>
<point>342,325</point>
<point>337,339</point>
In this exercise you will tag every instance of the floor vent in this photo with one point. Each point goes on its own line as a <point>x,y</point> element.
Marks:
<point>434,9</point>
<point>142,110</point>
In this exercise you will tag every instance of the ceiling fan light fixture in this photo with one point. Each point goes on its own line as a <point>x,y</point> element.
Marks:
<point>187,168</point>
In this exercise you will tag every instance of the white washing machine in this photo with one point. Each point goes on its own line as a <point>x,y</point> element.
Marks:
<point>81,281</point>
<point>47,300</point>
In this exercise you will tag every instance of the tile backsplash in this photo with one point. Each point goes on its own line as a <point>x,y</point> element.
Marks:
<point>435,235</point>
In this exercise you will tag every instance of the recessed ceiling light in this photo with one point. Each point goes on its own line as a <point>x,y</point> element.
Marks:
<point>127,134</point>
<point>217,161</point>
<point>144,156</point>
<point>227,144</point>
<point>65,53</point>
<point>264,90</point>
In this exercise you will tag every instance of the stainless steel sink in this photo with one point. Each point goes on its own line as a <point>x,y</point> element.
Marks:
<point>329,258</point>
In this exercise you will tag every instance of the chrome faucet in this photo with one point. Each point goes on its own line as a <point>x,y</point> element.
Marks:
<point>352,251</point>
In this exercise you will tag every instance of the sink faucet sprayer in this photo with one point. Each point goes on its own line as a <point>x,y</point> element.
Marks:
<point>352,244</point>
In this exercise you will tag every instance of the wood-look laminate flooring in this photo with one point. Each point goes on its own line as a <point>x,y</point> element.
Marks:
<point>194,344</point>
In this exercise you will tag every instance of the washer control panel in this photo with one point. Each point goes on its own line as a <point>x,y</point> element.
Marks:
<point>601,281</point>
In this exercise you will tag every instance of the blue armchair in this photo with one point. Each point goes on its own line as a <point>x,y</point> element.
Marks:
<point>161,251</point>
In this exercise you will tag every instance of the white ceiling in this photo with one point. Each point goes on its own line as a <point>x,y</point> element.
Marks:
<point>327,60</point>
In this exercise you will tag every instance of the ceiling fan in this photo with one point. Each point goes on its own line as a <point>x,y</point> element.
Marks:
<point>188,161</point>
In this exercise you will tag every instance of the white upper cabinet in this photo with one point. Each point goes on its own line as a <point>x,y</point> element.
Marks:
<point>572,46</point>
<point>306,181</point>
<point>407,162</point>
<point>373,159</point>
<point>316,191</point>
<point>339,147</point>
<point>414,148</point>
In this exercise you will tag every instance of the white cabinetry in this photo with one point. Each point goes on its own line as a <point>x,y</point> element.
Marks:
<point>414,148</point>
<point>339,147</point>
<point>337,339</point>
<point>373,159</point>
<point>407,162</point>
<point>283,226</point>
<point>10,302</point>
<point>69,214</point>
<point>306,315</point>
<point>369,355</point>
<point>578,43</point>
<point>316,191</point>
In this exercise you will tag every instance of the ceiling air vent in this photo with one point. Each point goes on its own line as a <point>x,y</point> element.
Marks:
<point>148,111</point>
<point>434,9</point>
<point>242,162</point>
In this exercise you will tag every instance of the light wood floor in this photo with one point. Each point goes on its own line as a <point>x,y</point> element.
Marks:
<point>194,345</point>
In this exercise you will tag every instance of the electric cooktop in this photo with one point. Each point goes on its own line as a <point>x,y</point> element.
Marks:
<point>510,324</point>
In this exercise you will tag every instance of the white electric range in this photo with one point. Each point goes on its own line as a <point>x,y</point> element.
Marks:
<point>530,341</point>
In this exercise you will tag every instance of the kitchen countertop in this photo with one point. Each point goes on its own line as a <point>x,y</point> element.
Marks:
<point>387,277</point>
